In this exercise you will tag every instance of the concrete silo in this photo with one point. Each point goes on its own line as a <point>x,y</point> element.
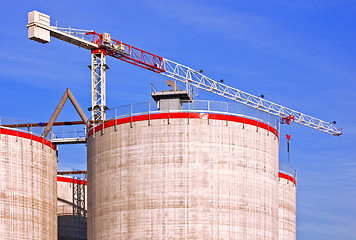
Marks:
<point>71,207</point>
<point>28,166</point>
<point>178,174</point>
<point>287,203</point>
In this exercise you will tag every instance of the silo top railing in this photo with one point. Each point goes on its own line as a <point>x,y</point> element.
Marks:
<point>288,170</point>
<point>21,126</point>
<point>197,106</point>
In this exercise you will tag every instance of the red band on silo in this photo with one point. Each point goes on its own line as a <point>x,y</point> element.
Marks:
<point>71,180</point>
<point>285,176</point>
<point>11,132</point>
<point>222,117</point>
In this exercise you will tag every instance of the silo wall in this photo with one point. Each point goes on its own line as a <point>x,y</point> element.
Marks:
<point>28,165</point>
<point>287,207</point>
<point>183,176</point>
<point>71,225</point>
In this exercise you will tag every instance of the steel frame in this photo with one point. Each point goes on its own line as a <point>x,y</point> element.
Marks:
<point>98,83</point>
<point>79,198</point>
<point>129,53</point>
<point>189,76</point>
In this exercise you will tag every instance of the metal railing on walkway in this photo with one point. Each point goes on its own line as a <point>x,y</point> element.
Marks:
<point>286,169</point>
<point>56,136</point>
<point>197,106</point>
<point>68,136</point>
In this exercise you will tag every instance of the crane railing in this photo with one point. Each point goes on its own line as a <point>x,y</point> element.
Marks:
<point>196,106</point>
<point>189,76</point>
<point>74,32</point>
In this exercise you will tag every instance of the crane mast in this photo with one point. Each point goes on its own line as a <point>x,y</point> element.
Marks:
<point>101,45</point>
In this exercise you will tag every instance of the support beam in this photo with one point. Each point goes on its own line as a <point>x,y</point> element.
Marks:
<point>67,94</point>
<point>41,124</point>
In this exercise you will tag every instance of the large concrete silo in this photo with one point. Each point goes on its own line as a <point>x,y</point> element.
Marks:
<point>183,175</point>
<point>28,165</point>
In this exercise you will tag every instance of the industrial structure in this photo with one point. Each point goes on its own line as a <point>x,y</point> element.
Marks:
<point>177,168</point>
<point>183,175</point>
<point>28,174</point>
<point>195,170</point>
<point>72,205</point>
<point>287,190</point>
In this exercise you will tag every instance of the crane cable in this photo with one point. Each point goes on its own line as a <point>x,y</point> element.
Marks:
<point>287,120</point>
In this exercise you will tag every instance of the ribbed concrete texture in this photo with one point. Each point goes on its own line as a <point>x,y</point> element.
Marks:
<point>202,177</point>
<point>287,208</point>
<point>72,224</point>
<point>28,171</point>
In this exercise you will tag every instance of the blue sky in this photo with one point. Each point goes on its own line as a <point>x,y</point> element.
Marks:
<point>300,54</point>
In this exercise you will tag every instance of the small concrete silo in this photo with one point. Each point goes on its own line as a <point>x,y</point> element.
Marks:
<point>287,189</point>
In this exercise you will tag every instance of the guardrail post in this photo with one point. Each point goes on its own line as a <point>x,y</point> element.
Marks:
<point>131,116</point>
<point>243,117</point>
<point>102,128</point>
<point>208,110</point>
<point>17,132</point>
<point>189,111</point>
<point>268,124</point>
<point>149,113</point>
<point>31,134</point>
<point>227,112</point>
<point>258,119</point>
<point>275,120</point>
<point>115,119</point>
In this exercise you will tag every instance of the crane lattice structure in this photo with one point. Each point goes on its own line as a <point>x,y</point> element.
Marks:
<point>101,45</point>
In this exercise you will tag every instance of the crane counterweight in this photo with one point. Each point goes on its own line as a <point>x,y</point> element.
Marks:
<point>37,33</point>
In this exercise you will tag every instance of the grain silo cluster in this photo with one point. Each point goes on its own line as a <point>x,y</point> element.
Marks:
<point>191,172</point>
<point>175,168</point>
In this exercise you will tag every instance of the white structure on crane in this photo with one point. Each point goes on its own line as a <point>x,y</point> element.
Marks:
<point>39,29</point>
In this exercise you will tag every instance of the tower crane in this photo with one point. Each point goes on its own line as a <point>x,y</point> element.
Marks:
<point>101,45</point>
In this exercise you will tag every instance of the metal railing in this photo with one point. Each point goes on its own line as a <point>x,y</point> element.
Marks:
<point>36,129</point>
<point>67,133</point>
<point>162,86</point>
<point>81,33</point>
<point>286,169</point>
<point>22,126</point>
<point>197,106</point>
